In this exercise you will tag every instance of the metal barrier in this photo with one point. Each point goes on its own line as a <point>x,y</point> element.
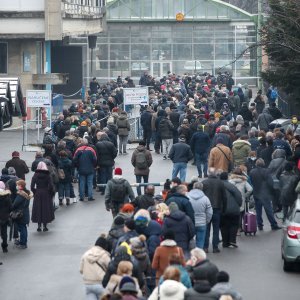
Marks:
<point>136,184</point>
<point>136,129</point>
<point>284,106</point>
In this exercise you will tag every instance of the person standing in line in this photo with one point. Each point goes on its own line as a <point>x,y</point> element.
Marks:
<point>117,192</point>
<point>146,119</point>
<point>165,129</point>
<point>85,159</point>
<point>18,164</point>
<point>141,160</point>
<point>123,132</point>
<point>21,203</point>
<point>180,154</point>
<point>43,191</point>
<point>203,212</point>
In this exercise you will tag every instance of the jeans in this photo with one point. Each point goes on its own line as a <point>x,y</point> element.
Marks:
<point>23,234</point>
<point>64,190</point>
<point>139,180</point>
<point>123,143</point>
<point>215,222</point>
<point>104,175</point>
<point>3,229</point>
<point>201,160</point>
<point>147,133</point>
<point>166,146</point>
<point>180,168</point>
<point>266,204</point>
<point>83,180</point>
<point>229,228</point>
<point>200,236</point>
<point>157,144</point>
<point>93,291</point>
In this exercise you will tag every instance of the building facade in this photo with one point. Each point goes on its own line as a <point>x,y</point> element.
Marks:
<point>30,30</point>
<point>181,36</point>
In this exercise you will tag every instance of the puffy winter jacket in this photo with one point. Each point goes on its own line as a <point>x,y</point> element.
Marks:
<point>234,199</point>
<point>240,151</point>
<point>165,128</point>
<point>123,125</point>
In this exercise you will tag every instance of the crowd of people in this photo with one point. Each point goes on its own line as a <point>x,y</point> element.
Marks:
<point>157,244</point>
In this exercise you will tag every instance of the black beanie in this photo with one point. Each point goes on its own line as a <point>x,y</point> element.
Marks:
<point>222,276</point>
<point>102,242</point>
<point>130,224</point>
<point>119,220</point>
<point>168,235</point>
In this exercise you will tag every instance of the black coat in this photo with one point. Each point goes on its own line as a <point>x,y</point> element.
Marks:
<point>183,227</point>
<point>180,152</point>
<point>234,199</point>
<point>201,291</point>
<point>200,142</point>
<point>215,190</point>
<point>5,205</point>
<point>143,201</point>
<point>66,165</point>
<point>146,119</point>
<point>260,181</point>
<point>183,204</point>
<point>106,152</point>
<point>288,183</point>
<point>43,191</point>
<point>19,165</point>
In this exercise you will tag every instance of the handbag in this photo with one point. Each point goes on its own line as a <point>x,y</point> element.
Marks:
<point>16,214</point>
<point>230,165</point>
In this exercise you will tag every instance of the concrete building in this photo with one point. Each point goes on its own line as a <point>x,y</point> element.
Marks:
<point>179,36</point>
<point>34,38</point>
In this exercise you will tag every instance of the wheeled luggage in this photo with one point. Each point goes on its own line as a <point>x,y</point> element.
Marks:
<point>249,222</point>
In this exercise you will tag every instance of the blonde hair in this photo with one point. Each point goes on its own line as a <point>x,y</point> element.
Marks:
<point>124,268</point>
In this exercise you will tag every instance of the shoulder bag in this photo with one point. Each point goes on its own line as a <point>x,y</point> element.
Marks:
<point>230,165</point>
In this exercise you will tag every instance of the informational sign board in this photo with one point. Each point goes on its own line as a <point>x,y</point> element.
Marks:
<point>136,96</point>
<point>38,98</point>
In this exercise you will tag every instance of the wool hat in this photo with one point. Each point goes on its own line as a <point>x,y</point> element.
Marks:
<point>168,235</point>
<point>222,276</point>
<point>130,224</point>
<point>127,208</point>
<point>48,129</point>
<point>11,171</point>
<point>118,171</point>
<point>102,242</point>
<point>4,171</point>
<point>15,154</point>
<point>137,241</point>
<point>119,221</point>
<point>141,221</point>
<point>129,287</point>
<point>2,185</point>
<point>124,280</point>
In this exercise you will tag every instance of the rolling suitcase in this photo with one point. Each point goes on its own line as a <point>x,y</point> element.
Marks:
<point>249,222</point>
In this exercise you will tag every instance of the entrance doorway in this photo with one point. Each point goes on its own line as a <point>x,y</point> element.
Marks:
<point>161,68</point>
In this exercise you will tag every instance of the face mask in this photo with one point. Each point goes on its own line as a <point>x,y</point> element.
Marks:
<point>294,121</point>
<point>253,158</point>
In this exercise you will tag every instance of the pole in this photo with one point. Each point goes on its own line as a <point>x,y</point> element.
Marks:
<point>48,71</point>
<point>259,48</point>
<point>235,55</point>
<point>38,125</point>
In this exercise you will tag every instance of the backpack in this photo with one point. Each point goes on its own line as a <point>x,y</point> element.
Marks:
<point>141,161</point>
<point>118,191</point>
<point>274,94</point>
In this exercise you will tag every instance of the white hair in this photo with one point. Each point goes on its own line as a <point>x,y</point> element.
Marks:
<point>198,253</point>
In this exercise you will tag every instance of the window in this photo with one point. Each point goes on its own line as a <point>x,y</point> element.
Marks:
<point>3,58</point>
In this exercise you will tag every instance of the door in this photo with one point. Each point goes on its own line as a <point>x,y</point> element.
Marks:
<point>161,68</point>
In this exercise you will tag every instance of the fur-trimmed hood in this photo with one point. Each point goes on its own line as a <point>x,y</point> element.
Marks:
<point>168,243</point>
<point>4,192</point>
<point>25,195</point>
<point>237,178</point>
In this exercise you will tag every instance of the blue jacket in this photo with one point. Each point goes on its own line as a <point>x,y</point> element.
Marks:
<point>200,142</point>
<point>281,144</point>
<point>85,159</point>
<point>22,202</point>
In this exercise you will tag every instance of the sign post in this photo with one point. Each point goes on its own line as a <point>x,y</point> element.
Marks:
<point>38,99</point>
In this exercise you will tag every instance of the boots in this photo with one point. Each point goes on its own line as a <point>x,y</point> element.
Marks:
<point>61,202</point>
<point>68,201</point>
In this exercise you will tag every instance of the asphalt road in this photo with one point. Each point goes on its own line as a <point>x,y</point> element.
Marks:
<point>49,268</point>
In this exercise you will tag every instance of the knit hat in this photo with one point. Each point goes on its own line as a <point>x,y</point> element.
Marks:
<point>222,276</point>
<point>119,221</point>
<point>124,280</point>
<point>168,235</point>
<point>129,287</point>
<point>11,171</point>
<point>102,242</point>
<point>15,154</point>
<point>130,224</point>
<point>118,171</point>
<point>84,123</point>
<point>2,185</point>
<point>42,166</point>
<point>141,221</point>
<point>127,208</point>
<point>137,241</point>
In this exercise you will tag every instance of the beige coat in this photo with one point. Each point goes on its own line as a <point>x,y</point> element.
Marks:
<point>91,271</point>
<point>218,160</point>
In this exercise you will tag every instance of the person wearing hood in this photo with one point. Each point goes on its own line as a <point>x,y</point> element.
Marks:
<point>264,119</point>
<point>199,264</point>
<point>147,200</point>
<point>123,131</point>
<point>246,113</point>
<point>280,143</point>
<point>240,151</point>
<point>262,193</point>
<point>162,254</point>
<point>21,203</point>
<point>5,209</point>
<point>203,212</point>
<point>116,231</point>
<point>182,225</point>
<point>260,103</point>
<point>106,154</point>
<point>19,165</point>
<point>141,160</point>
<point>117,192</point>
<point>93,266</point>
<point>223,286</point>
<point>230,218</point>
<point>43,191</point>
<point>171,288</point>
<point>5,177</point>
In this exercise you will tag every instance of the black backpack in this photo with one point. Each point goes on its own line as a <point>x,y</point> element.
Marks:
<point>118,191</point>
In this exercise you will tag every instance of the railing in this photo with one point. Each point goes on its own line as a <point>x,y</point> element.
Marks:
<point>284,106</point>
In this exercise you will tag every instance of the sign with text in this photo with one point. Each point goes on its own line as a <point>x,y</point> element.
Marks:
<point>38,98</point>
<point>136,96</point>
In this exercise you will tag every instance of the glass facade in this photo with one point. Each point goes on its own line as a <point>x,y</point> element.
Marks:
<point>131,47</point>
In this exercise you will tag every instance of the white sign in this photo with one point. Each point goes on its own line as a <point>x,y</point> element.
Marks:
<point>38,98</point>
<point>136,96</point>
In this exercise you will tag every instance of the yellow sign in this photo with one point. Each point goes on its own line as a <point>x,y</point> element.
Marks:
<point>180,17</point>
